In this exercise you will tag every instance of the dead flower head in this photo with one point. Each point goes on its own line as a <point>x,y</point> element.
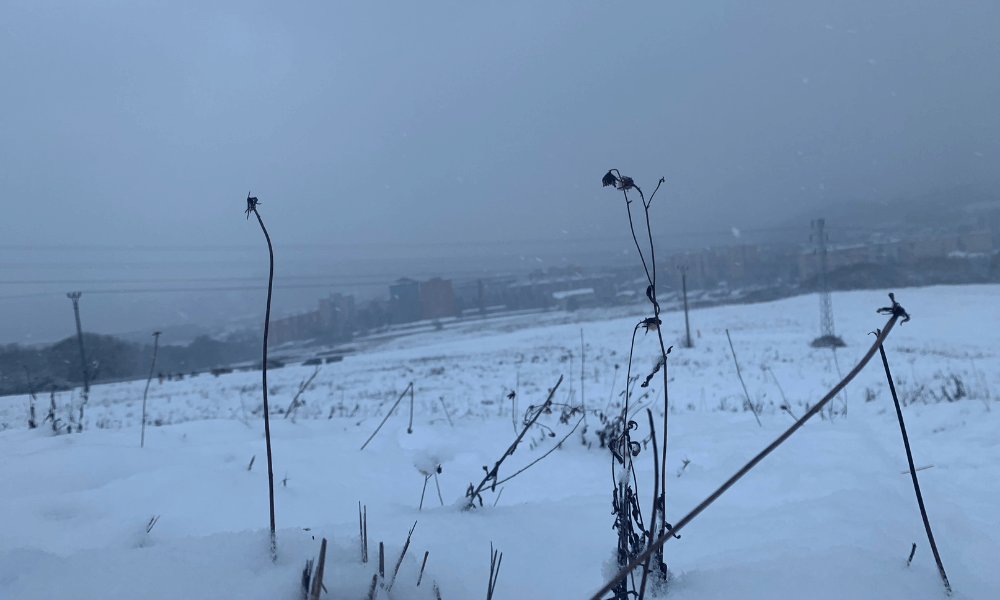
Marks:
<point>252,203</point>
<point>620,181</point>
<point>651,324</point>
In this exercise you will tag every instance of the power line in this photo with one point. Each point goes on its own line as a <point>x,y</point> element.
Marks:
<point>196,289</point>
<point>686,233</point>
<point>332,279</point>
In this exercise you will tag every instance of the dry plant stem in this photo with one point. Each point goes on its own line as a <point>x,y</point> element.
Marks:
<point>438,486</point>
<point>611,396</point>
<point>422,565</point>
<point>389,414</point>
<point>263,372</point>
<point>628,208</point>
<point>628,372</point>
<point>496,557</point>
<point>652,517</point>
<point>753,409</point>
<point>381,560</point>
<point>409,428</point>
<point>317,583</point>
<point>913,472</point>
<point>659,335</point>
<point>790,413</point>
<point>295,400</point>
<point>493,473</point>
<point>639,560</point>
<point>583,362</point>
<point>422,492</point>
<point>361,536</point>
<point>913,551</point>
<point>775,377</point>
<point>31,391</point>
<point>551,450</point>
<point>445,408</point>
<point>373,588</point>
<point>399,562</point>
<point>156,345</point>
<point>666,411</point>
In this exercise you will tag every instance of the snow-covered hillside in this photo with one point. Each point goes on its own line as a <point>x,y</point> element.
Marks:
<point>830,514</point>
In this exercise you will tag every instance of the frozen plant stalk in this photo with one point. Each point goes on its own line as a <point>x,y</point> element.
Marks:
<point>252,203</point>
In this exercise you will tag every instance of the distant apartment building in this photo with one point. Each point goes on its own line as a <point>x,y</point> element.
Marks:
<point>404,301</point>
<point>561,287</point>
<point>836,257</point>
<point>932,246</point>
<point>411,300</point>
<point>332,321</point>
<point>710,266</point>
<point>338,315</point>
<point>976,242</point>
<point>437,299</point>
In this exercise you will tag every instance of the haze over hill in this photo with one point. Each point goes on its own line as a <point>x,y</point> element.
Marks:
<point>388,140</point>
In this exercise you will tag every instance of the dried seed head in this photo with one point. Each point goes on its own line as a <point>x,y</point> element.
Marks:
<point>609,179</point>
<point>252,203</point>
<point>625,183</point>
<point>651,324</point>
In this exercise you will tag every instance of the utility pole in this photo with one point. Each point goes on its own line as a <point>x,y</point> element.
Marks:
<point>684,288</point>
<point>482,300</point>
<point>75,297</point>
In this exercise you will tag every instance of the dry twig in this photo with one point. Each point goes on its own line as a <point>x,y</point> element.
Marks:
<point>491,474</point>
<point>898,311</point>
<point>753,409</point>
<point>317,582</point>
<point>388,414</point>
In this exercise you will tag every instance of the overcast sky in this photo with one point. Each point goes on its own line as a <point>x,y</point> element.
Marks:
<point>418,124</point>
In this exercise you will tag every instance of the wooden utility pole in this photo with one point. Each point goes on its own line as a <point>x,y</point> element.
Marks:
<point>687,323</point>
<point>75,297</point>
<point>482,300</point>
<point>156,346</point>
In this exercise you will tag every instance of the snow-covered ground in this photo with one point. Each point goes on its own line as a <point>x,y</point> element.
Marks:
<point>828,515</point>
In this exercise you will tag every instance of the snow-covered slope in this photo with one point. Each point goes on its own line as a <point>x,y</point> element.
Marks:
<point>828,515</point>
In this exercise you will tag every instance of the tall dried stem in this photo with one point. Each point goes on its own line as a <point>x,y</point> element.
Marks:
<point>252,203</point>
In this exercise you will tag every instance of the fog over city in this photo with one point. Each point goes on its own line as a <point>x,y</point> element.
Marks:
<point>389,140</point>
<point>647,300</point>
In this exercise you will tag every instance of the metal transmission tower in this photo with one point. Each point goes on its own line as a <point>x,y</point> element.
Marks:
<point>828,337</point>
<point>75,297</point>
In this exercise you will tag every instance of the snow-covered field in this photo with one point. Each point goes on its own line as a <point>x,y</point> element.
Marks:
<point>828,515</point>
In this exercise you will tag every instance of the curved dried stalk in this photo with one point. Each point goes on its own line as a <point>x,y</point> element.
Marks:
<point>252,203</point>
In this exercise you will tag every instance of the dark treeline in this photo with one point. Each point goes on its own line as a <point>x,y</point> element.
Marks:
<point>40,368</point>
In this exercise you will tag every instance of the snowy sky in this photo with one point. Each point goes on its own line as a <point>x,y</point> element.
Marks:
<point>420,124</point>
